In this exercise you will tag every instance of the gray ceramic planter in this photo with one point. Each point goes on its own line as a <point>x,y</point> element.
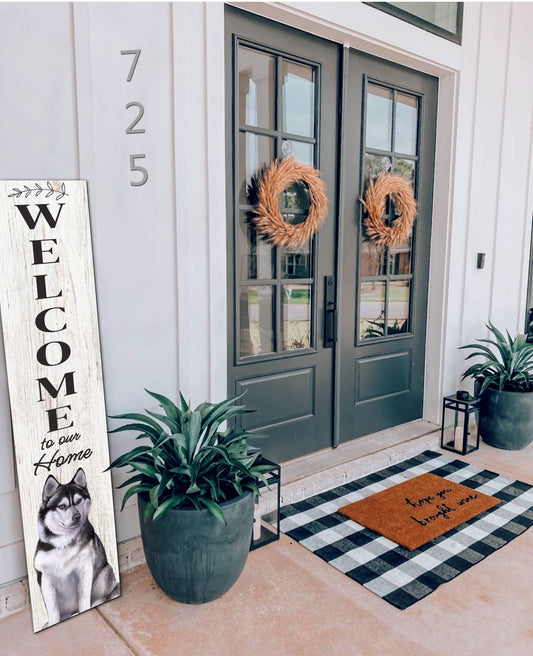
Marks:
<point>506,419</point>
<point>192,556</point>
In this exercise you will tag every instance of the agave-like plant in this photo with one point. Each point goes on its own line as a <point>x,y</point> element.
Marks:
<point>190,463</point>
<point>507,363</point>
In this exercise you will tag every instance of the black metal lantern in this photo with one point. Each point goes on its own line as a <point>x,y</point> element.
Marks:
<point>460,432</point>
<point>266,527</point>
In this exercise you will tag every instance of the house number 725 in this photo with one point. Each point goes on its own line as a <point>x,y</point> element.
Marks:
<point>132,127</point>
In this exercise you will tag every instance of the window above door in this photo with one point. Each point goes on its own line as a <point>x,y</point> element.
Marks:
<point>444,19</point>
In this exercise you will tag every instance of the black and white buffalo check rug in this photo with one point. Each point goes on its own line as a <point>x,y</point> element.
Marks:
<point>400,576</point>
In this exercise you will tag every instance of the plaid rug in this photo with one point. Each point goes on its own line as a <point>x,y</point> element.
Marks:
<point>400,576</point>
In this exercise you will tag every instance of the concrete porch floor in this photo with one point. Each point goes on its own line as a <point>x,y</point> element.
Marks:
<point>289,602</point>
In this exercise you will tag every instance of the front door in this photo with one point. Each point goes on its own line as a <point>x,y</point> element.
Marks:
<point>327,339</point>
<point>389,127</point>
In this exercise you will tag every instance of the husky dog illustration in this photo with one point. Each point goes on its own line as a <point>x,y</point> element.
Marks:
<point>70,559</point>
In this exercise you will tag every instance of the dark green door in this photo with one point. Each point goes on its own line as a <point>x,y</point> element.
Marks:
<point>286,91</point>
<point>282,90</point>
<point>390,120</point>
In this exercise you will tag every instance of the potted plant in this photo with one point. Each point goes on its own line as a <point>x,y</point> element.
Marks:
<point>504,383</point>
<point>195,485</point>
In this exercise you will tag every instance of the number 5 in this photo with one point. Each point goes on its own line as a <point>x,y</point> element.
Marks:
<point>134,167</point>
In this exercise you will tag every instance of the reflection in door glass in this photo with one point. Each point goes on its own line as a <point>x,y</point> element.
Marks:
<point>406,124</point>
<point>398,307</point>
<point>296,261</point>
<point>406,168</point>
<point>372,310</point>
<point>400,262</point>
<point>258,258</point>
<point>298,98</point>
<point>296,197</point>
<point>256,87</point>
<point>378,117</point>
<point>302,152</point>
<point>296,316</point>
<point>256,319</point>
<point>376,164</point>
<point>372,258</point>
<point>254,152</point>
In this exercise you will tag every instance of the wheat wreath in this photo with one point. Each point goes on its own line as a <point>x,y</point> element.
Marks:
<point>401,192</point>
<point>269,220</point>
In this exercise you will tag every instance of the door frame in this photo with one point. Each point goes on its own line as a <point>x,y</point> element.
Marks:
<point>214,332</point>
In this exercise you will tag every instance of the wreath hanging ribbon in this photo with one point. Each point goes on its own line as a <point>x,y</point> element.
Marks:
<point>268,218</point>
<point>401,192</point>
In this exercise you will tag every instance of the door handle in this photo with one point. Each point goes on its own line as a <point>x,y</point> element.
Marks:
<point>330,313</point>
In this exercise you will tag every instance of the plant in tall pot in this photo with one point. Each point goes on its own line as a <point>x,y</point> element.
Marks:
<point>504,383</point>
<point>195,485</point>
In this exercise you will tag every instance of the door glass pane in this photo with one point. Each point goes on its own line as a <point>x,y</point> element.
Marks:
<point>296,261</point>
<point>372,259</point>
<point>294,219</point>
<point>398,307</point>
<point>378,118</point>
<point>296,316</point>
<point>372,310</point>
<point>254,152</point>
<point>298,98</point>
<point>256,88</point>
<point>399,262</point>
<point>376,164</point>
<point>302,152</point>
<point>296,197</point>
<point>405,167</point>
<point>257,320</point>
<point>406,124</point>
<point>257,255</point>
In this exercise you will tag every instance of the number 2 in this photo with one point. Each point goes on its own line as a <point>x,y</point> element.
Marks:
<point>130,129</point>
<point>141,169</point>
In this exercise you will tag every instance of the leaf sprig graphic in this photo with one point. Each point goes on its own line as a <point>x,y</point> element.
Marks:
<point>37,190</point>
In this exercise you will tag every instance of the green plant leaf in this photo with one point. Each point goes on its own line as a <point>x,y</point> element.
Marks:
<point>168,504</point>
<point>214,509</point>
<point>143,428</point>
<point>168,406</point>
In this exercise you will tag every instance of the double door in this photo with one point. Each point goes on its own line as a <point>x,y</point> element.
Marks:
<point>327,338</point>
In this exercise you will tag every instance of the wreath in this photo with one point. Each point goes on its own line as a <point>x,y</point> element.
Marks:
<point>268,218</point>
<point>401,192</point>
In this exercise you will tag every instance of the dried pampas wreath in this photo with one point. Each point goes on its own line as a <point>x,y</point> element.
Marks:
<point>269,220</point>
<point>401,192</point>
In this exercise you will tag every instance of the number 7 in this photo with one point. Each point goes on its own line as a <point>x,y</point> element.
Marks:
<point>136,54</point>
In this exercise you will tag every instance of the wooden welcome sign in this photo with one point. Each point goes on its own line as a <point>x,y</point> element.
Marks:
<point>52,349</point>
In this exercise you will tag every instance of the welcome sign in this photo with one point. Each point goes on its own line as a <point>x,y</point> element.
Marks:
<point>52,350</point>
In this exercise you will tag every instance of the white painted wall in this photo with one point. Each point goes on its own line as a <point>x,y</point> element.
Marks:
<point>159,249</point>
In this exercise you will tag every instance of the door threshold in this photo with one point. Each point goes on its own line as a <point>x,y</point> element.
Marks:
<point>313,474</point>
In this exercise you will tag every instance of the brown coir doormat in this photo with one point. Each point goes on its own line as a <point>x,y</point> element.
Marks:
<point>418,510</point>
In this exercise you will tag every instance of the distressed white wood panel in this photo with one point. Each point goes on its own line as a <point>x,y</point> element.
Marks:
<point>512,244</point>
<point>37,125</point>
<point>133,226</point>
<point>50,327</point>
<point>487,145</point>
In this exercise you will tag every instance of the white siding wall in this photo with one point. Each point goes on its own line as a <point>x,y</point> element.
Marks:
<point>159,249</point>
